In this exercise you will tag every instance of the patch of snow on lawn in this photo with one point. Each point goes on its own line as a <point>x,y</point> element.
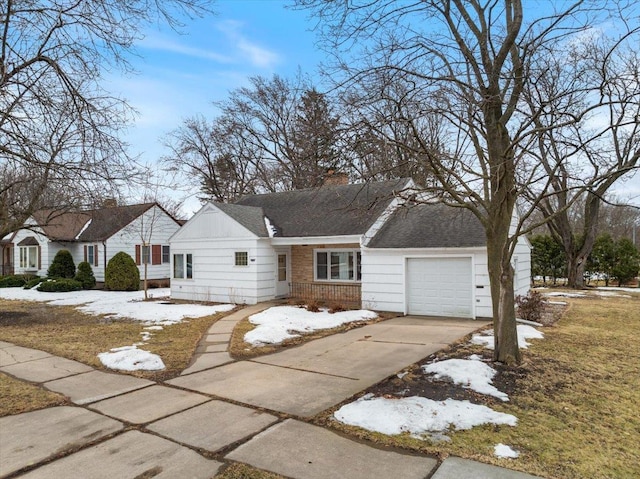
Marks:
<point>470,373</point>
<point>565,294</point>
<point>614,294</point>
<point>119,304</point>
<point>504,451</point>
<point>620,288</point>
<point>130,358</point>
<point>417,415</point>
<point>524,332</point>
<point>278,323</point>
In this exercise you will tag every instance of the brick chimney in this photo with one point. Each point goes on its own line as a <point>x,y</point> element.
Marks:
<point>333,177</point>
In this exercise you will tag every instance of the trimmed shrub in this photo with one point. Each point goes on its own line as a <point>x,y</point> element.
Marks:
<point>85,275</point>
<point>12,281</point>
<point>313,306</point>
<point>62,265</point>
<point>337,308</point>
<point>122,274</point>
<point>60,285</point>
<point>530,307</point>
<point>33,282</point>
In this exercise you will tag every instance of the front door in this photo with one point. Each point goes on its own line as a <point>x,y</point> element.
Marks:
<point>282,274</point>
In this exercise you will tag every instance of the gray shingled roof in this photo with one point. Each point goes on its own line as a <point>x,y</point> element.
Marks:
<point>104,222</point>
<point>251,217</point>
<point>430,226</point>
<point>332,210</point>
<point>108,221</point>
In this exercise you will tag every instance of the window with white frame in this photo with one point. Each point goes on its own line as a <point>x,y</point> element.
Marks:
<point>165,254</point>
<point>183,266</point>
<point>337,265</point>
<point>91,254</point>
<point>29,257</point>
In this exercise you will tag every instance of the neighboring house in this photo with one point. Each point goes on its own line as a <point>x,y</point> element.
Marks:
<point>356,243</point>
<point>95,236</point>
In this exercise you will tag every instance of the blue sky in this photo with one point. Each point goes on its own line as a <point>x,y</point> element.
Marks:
<point>181,74</point>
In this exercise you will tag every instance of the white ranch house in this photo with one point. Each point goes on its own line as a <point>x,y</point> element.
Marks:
<point>348,243</point>
<point>95,236</point>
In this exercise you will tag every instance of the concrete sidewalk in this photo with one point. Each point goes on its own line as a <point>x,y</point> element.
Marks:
<point>222,410</point>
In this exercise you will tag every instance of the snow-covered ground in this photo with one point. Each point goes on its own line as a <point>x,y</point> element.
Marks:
<point>564,294</point>
<point>605,291</point>
<point>420,417</point>
<point>130,358</point>
<point>120,304</point>
<point>524,332</point>
<point>622,288</point>
<point>425,418</point>
<point>469,373</point>
<point>504,451</point>
<point>276,324</point>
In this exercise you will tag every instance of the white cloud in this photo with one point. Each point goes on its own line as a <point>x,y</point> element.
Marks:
<point>257,55</point>
<point>155,42</point>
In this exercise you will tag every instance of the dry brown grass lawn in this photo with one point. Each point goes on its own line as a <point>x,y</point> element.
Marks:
<point>243,471</point>
<point>577,397</point>
<point>66,332</point>
<point>18,396</point>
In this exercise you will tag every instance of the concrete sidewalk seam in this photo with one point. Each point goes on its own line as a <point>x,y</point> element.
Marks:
<point>302,370</point>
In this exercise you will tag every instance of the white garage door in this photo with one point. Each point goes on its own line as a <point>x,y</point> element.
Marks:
<point>440,287</point>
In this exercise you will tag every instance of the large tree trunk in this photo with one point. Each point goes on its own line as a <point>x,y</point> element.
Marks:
<point>498,223</point>
<point>501,277</point>
<point>577,256</point>
<point>576,264</point>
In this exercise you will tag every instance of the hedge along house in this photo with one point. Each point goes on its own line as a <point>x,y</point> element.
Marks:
<point>352,243</point>
<point>95,236</point>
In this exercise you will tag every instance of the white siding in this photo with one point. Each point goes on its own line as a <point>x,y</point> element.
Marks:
<point>213,238</point>
<point>522,264</point>
<point>154,227</point>
<point>209,222</point>
<point>521,260</point>
<point>44,252</point>
<point>384,277</point>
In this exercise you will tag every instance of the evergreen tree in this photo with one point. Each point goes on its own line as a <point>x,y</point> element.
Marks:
<point>62,265</point>
<point>627,261</point>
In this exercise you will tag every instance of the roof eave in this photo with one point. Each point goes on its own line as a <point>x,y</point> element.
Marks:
<point>314,240</point>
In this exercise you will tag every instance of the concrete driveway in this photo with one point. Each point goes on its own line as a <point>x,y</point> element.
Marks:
<point>126,427</point>
<point>312,377</point>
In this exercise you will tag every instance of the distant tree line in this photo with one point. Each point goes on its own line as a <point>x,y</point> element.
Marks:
<point>610,259</point>
<point>282,134</point>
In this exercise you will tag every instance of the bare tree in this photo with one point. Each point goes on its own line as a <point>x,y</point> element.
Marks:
<point>466,63</point>
<point>588,138</point>
<point>274,135</point>
<point>159,220</point>
<point>59,129</point>
<point>212,155</point>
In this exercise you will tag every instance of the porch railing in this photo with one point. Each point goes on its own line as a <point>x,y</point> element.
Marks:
<point>327,293</point>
